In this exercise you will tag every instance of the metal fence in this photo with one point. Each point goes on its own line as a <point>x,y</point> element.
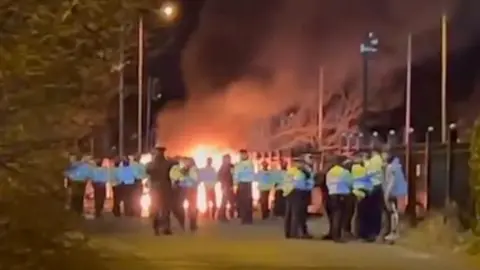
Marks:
<point>438,174</point>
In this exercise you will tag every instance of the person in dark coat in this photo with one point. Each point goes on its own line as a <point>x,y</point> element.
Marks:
<point>228,196</point>
<point>161,192</point>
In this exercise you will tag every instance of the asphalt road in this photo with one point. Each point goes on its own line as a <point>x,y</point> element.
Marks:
<point>129,244</point>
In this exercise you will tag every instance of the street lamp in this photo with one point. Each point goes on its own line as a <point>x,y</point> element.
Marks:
<point>391,137</point>
<point>368,47</point>
<point>168,12</point>
<point>427,150</point>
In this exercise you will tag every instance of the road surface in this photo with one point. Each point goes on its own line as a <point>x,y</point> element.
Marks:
<point>129,244</point>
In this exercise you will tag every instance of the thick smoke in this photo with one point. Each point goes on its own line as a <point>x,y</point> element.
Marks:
<point>251,58</point>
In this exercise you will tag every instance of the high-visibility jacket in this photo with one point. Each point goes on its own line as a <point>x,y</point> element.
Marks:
<point>125,175</point>
<point>185,177</point>
<point>100,175</point>
<point>375,169</point>
<point>207,176</point>
<point>308,181</point>
<point>244,172</point>
<point>279,177</point>
<point>79,171</point>
<point>338,181</point>
<point>298,179</point>
<point>139,170</point>
<point>361,181</point>
<point>265,180</point>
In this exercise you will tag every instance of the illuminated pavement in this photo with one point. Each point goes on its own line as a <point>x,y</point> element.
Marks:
<point>259,246</point>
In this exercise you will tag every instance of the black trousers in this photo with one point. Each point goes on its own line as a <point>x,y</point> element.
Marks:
<point>279,204</point>
<point>165,203</point>
<point>337,215</point>
<point>294,212</point>
<point>211,201</point>
<point>99,195</point>
<point>245,203</point>
<point>126,193</point>
<point>376,205</point>
<point>363,218</point>
<point>329,210</point>
<point>228,198</point>
<point>264,199</point>
<point>77,195</point>
<point>350,206</point>
<point>117,198</point>
<point>305,196</point>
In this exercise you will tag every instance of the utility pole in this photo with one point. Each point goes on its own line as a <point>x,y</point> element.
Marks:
<point>121,98</point>
<point>148,115</point>
<point>368,47</point>
<point>140,85</point>
<point>444,78</point>
<point>412,187</point>
<point>408,90</point>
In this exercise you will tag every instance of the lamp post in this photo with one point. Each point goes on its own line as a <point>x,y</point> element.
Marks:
<point>448,183</point>
<point>374,140</point>
<point>167,12</point>
<point>368,47</point>
<point>391,137</point>
<point>412,184</point>
<point>427,166</point>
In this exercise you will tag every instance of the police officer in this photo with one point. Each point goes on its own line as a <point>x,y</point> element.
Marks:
<point>208,176</point>
<point>125,176</point>
<point>279,178</point>
<point>77,174</point>
<point>100,177</point>
<point>338,181</point>
<point>116,187</point>
<point>375,169</point>
<point>350,203</point>
<point>306,192</point>
<point>225,177</point>
<point>161,192</point>
<point>361,189</point>
<point>265,180</point>
<point>184,177</point>
<point>243,175</point>
<point>298,180</point>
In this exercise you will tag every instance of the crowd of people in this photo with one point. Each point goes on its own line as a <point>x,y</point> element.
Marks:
<point>124,175</point>
<point>357,191</point>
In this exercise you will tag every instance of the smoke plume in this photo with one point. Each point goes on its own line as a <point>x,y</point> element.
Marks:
<point>249,59</point>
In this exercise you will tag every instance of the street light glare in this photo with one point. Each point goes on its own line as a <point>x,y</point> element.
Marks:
<point>169,10</point>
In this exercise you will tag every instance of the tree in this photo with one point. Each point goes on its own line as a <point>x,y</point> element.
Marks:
<point>475,172</point>
<point>55,75</point>
<point>299,127</point>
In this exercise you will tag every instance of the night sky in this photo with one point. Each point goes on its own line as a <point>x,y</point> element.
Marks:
<point>221,44</point>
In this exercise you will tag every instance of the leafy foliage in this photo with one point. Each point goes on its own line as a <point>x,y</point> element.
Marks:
<point>55,76</point>
<point>475,172</point>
